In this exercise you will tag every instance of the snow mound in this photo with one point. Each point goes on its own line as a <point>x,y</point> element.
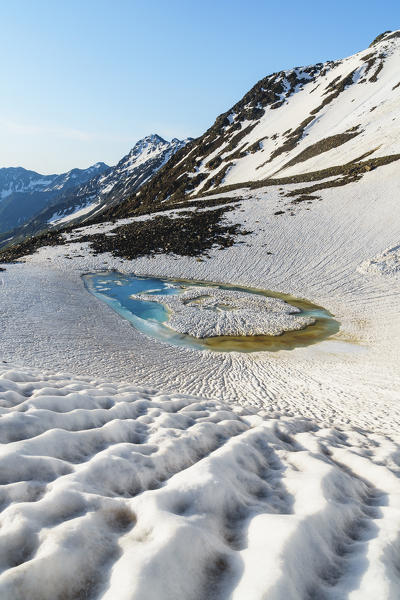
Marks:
<point>208,312</point>
<point>112,491</point>
<point>387,263</point>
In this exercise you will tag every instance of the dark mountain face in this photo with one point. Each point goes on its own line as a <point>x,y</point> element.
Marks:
<point>24,193</point>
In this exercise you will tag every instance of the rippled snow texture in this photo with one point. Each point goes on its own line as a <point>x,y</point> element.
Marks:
<point>116,492</point>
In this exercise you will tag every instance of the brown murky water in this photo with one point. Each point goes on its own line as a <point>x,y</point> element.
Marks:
<point>325,325</point>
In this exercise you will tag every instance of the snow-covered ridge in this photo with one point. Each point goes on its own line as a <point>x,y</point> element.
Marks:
<point>17,179</point>
<point>108,489</point>
<point>293,122</point>
<point>146,157</point>
<point>357,94</point>
<point>78,194</point>
<point>133,170</point>
<point>20,180</point>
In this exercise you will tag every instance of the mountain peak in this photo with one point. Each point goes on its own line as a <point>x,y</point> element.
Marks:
<point>154,138</point>
<point>107,185</point>
<point>99,165</point>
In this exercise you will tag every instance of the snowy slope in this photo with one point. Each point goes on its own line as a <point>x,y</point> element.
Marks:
<point>327,124</point>
<point>293,122</point>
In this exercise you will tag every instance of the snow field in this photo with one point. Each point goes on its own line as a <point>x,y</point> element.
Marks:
<point>113,491</point>
<point>352,378</point>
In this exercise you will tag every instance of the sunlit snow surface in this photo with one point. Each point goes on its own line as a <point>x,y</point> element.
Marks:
<point>116,492</point>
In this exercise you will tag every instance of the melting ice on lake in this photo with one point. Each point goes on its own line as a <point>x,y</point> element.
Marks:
<point>204,315</point>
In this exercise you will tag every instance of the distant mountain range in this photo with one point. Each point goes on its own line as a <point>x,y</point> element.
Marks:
<point>30,202</point>
<point>24,193</point>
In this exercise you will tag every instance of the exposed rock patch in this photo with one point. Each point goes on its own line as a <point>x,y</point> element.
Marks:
<point>322,146</point>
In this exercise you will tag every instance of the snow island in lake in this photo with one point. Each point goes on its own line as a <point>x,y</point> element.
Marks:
<point>213,316</point>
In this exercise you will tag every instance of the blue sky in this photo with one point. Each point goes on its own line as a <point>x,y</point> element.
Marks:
<point>82,81</point>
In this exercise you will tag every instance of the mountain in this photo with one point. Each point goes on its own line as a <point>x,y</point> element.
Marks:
<point>104,189</point>
<point>133,170</point>
<point>18,180</point>
<point>293,122</point>
<point>270,475</point>
<point>23,193</point>
<point>316,127</point>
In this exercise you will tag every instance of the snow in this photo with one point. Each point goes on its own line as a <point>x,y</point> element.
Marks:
<point>57,219</point>
<point>26,183</point>
<point>109,489</point>
<point>315,254</point>
<point>151,153</point>
<point>134,469</point>
<point>196,312</point>
<point>372,105</point>
<point>387,263</point>
<point>146,158</point>
<point>22,181</point>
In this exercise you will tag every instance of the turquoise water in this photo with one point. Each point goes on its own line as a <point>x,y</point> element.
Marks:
<point>119,287</point>
<point>148,317</point>
<point>151,318</point>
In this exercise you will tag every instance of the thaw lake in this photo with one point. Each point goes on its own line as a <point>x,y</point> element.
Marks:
<point>212,316</point>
